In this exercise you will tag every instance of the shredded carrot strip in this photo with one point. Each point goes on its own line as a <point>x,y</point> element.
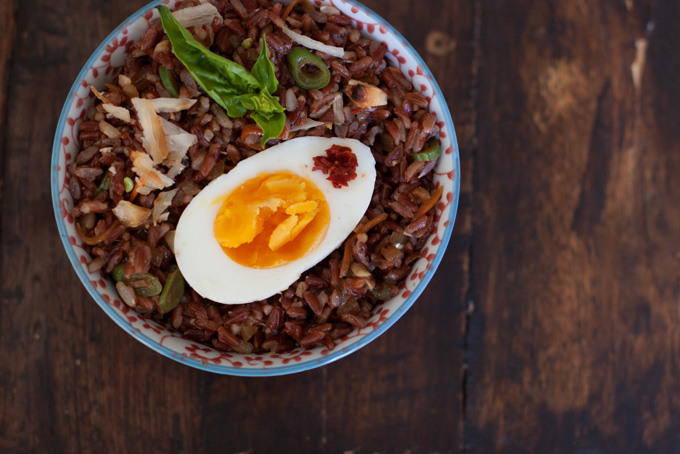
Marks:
<point>139,185</point>
<point>92,241</point>
<point>288,9</point>
<point>347,257</point>
<point>372,223</point>
<point>430,203</point>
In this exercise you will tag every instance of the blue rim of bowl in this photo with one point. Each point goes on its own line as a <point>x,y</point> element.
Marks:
<point>231,370</point>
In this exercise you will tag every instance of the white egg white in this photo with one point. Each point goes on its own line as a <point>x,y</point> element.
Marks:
<point>217,277</point>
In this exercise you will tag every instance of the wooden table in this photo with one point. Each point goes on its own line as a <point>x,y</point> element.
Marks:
<point>551,326</point>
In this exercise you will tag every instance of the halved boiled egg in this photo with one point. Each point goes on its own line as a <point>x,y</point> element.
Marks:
<point>253,231</point>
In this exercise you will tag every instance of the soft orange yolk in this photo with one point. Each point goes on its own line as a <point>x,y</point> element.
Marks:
<point>271,220</point>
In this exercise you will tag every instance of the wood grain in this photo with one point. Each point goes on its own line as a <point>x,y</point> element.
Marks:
<point>73,381</point>
<point>551,325</point>
<point>574,341</point>
<point>7,22</point>
<point>409,382</point>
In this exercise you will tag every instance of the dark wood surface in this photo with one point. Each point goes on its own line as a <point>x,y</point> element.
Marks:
<point>552,324</point>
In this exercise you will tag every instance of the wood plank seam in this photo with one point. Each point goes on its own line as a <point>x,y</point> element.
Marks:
<point>9,12</point>
<point>474,143</point>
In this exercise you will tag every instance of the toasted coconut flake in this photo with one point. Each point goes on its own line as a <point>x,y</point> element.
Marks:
<point>174,162</point>
<point>118,112</point>
<point>307,124</point>
<point>106,150</point>
<point>313,44</point>
<point>99,95</point>
<point>196,16</point>
<point>164,47</point>
<point>360,270</point>
<point>140,187</point>
<point>171,105</point>
<point>338,112</point>
<point>330,10</point>
<point>143,166</point>
<point>171,129</point>
<point>161,204</point>
<point>131,215</point>
<point>179,141</point>
<point>109,130</point>
<point>124,80</point>
<point>178,145</point>
<point>153,137</point>
<point>131,91</point>
<point>365,95</point>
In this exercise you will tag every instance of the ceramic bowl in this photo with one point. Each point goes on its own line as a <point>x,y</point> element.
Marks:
<point>105,63</point>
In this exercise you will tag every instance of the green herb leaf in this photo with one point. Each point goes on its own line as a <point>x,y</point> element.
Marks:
<point>262,102</point>
<point>214,73</point>
<point>234,107</point>
<point>271,127</point>
<point>264,70</point>
<point>228,83</point>
<point>104,185</point>
<point>169,81</point>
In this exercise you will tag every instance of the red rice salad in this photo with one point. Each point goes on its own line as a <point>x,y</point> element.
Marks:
<point>332,82</point>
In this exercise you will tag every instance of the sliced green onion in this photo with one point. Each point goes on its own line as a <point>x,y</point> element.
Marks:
<point>118,273</point>
<point>429,152</point>
<point>308,70</point>
<point>173,291</point>
<point>129,184</point>
<point>169,81</point>
<point>104,185</point>
<point>153,288</point>
<point>247,43</point>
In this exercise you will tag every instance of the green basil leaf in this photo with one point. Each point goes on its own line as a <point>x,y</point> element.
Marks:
<point>271,126</point>
<point>264,70</point>
<point>215,74</point>
<point>228,83</point>
<point>262,102</point>
<point>233,106</point>
<point>267,113</point>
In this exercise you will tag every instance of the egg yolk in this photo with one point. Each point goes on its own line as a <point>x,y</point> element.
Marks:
<point>271,220</point>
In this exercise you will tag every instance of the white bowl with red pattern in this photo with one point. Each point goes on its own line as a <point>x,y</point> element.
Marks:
<point>106,62</point>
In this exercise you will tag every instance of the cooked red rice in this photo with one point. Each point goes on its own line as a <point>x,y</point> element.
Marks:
<point>340,292</point>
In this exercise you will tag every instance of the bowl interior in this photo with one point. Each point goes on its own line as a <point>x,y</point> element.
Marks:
<point>106,62</point>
